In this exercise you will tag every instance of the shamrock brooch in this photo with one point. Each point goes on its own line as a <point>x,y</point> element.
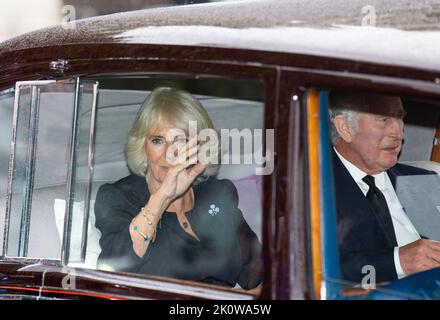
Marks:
<point>213,210</point>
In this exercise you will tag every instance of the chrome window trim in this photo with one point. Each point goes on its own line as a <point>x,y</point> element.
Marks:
<point>91,153</point>
<point>18,84</point>
<point>5,228</point>
<point>32,261</point>
<point>65,246</point>
<point>23,243</point>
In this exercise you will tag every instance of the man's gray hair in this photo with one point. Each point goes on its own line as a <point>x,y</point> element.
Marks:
<point>352,120</point>
<point>349,105</point>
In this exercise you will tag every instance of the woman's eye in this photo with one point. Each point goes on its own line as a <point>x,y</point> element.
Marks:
<point>156,141</point>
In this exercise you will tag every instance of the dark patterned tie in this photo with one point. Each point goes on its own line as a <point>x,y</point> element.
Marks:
<point>381,211</point>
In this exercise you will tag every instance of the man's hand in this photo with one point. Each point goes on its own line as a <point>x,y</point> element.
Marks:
<point>420,255</point>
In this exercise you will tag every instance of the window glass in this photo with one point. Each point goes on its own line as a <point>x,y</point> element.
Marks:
<point>6,113</point>
<point>81,225</point>
<point>223,212</point>
<point>41,155</point>
<point>386,184</point>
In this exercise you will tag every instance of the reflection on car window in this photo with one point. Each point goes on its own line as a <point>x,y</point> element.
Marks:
<point>205,228</point>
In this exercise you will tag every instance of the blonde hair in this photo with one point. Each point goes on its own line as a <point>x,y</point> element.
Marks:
<point>174,106</point>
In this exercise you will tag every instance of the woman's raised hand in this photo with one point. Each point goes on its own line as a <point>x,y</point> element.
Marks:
<point>184,169</point>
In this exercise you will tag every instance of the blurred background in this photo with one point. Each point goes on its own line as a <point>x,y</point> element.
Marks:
<point>21,16</point>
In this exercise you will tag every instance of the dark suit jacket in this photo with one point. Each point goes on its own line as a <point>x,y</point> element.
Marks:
<point>362,241</point>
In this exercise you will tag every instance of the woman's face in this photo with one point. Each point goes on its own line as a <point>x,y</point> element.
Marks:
<point>157,142</point>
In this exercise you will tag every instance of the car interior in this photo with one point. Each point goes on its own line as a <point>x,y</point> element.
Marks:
<point>418,150</point>
<point>117,106</point>
<point>116,111</point>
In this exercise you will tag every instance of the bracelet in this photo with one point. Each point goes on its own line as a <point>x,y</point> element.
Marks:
<point>144,214</point>
<point>136,228</point>
<point>150,223</point>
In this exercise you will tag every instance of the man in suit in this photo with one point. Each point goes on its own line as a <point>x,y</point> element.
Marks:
<point>373,229</point>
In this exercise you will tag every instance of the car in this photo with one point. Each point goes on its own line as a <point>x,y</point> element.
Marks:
<point>263,70</point>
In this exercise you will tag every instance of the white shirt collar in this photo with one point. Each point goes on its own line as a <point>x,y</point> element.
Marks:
<point>358,174</point>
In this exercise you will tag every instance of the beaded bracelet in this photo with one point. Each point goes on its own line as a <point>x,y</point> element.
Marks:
<point>150,223</point>
<point>136,228</point>
<point>145,215</point>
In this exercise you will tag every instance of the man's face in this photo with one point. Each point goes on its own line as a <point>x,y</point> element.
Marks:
<point>378,139</point>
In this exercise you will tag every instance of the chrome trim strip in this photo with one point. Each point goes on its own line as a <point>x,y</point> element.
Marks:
<point>70,174</point>
<point>90,173</point>
<point>26,208</point>
<point>11,169</point>
<point>11,147</point>
<point>169,285</point>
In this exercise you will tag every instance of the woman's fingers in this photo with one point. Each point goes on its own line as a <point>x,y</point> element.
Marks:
<point>188,155</point>
<point>184,165</point>
<point>189,164</point>
<point>194,171</point>
<point>177,155</point>
<point>193,154</point>
<point>191,143</point>
<point>186,159</point>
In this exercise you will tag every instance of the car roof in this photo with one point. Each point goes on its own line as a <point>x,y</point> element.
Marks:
<point>406,33</point>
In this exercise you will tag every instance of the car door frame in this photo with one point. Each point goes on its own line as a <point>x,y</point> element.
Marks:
<point>147,60</point>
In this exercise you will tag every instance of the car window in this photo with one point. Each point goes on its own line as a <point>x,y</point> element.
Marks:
<point>237,110</point>
<point>392,143</point>
<point>6,114</point>
<point>43,125</point>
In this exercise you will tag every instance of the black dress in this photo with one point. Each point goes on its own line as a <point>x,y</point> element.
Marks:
<point>228,251</point>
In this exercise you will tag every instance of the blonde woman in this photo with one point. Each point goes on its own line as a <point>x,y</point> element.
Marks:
<point>172,217</point>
